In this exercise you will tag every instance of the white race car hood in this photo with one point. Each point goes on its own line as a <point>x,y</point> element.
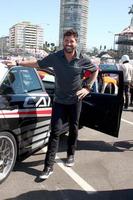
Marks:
<point>3,71</point>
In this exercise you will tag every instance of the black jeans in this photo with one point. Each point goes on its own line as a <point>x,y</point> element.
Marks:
<point>131,95</point>
<point>60,115</point>
<point>126,92</point>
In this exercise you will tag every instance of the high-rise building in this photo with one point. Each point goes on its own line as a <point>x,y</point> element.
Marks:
<point>4,45</point>
<point>26,35</point>
<point>74,14</point>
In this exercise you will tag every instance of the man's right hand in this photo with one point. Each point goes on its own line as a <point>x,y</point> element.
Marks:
<point>82,93</point>
<point>9,63</point>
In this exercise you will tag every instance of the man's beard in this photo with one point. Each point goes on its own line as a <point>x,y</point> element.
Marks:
<point>68,49</point>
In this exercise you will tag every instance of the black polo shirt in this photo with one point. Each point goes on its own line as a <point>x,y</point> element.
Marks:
<point>68,79</point>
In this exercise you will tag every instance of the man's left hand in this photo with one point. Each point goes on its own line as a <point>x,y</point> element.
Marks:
<point>82,93</point>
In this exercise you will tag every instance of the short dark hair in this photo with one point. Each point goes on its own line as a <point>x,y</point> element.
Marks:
<point>71,32</point>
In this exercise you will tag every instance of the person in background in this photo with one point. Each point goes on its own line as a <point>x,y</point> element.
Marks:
<point>69,92</point>
<point>127,69</point>
<point>131,95</point>
<point>87,74</point>
<point>131,92</point>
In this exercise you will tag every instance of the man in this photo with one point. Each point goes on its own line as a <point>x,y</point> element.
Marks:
<point>68,65</point>
<point>127,69</point>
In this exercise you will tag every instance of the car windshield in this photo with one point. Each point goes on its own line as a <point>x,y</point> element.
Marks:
<point>21,80</point>
<point>108,67</point>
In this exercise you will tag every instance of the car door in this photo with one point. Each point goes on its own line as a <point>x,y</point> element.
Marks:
<point>27,108</point>
<point>102,110</point>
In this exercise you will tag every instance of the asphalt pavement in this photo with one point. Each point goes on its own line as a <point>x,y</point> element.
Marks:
<point>103,169</point>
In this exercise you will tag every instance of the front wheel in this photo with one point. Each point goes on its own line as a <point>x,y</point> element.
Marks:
<point>8,154</point>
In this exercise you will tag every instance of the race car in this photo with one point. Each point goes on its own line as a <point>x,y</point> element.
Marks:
<point>25,113</point>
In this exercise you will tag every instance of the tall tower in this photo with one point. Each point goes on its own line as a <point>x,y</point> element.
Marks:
<point>74,14</point>
<point>131,12</point>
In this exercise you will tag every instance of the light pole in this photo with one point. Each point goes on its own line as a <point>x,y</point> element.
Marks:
<point>113,39</point>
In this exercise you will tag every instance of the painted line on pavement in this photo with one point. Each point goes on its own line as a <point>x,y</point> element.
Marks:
<point>124,120</point>
<point>80,181</point>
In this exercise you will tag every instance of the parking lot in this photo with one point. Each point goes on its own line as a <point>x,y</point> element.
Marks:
<point>103,169</point>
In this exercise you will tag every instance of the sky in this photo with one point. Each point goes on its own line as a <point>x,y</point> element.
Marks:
<point>105,18</point>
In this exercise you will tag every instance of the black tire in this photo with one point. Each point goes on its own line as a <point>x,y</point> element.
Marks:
<point>8,154</point>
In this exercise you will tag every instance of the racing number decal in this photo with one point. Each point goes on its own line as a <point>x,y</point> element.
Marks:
<point>31,102</point>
